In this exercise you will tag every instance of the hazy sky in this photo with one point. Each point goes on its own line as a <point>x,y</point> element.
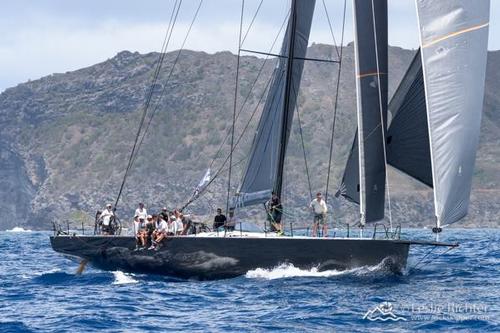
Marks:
<point>40,37</point>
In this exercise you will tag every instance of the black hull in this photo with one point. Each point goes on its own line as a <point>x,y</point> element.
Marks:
<point>218,257</point>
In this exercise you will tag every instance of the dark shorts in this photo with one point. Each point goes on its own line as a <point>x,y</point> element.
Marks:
<point>320,218</point>
<point>274,217</point>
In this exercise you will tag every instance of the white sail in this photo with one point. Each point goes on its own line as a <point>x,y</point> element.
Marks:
<point>454,42</point>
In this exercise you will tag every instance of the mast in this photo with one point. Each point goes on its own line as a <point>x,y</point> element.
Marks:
<point>278,186</point>
<point>264,171</point>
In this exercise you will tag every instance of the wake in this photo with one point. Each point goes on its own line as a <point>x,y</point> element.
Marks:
<point>122,278</point>
<point>18,229</point>
<point>289,271</point>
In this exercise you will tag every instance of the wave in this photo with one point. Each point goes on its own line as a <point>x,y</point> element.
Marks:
<point>289,270</point>
<point>19,229</point>
<point>122,278</point>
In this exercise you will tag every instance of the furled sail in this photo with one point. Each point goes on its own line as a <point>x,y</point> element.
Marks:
<point>408,148</point>
<point>262,169</point>
<point>368,186</point>
<point>454,42</point>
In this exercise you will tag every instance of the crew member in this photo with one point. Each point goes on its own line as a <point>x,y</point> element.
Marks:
<point>105,219</point>
<point>141,212</point>
<point>318,206</point>
<point>219,219</point>
<point>274,213</point>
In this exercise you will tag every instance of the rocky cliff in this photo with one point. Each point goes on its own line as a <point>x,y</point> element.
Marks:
<point>65,138</point>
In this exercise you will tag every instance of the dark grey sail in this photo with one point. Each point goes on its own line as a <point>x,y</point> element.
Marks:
<point>408,148</point>
<point>261,171</point>
<point>368,187</point>
<point>454,42</point>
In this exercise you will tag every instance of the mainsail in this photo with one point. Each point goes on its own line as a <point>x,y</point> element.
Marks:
<point>454,43</point>
<point>367,154</point>
<point>262,171</point>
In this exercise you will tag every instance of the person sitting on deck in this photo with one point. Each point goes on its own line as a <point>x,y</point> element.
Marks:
<point>105,218</point>
<point>187,224</point>
<point>159,234</point>
<point>150,228</point>
<point>142,234</point>
<point>164,214</point>
<point>319,208</point>
<point>178,222</point>
<point>157,220</point>
<point>219,219</point>
<point>274,213</point>
<point>172,227</point>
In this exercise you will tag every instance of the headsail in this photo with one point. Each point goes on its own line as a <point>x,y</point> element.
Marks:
<point>454,42</point>
<point>370,21</point>
<point>408,148</point>
<point>262,169</point>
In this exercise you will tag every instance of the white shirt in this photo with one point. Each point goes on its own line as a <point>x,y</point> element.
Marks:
<point>141,213</point>
<point>319,207</point>
<point>163,226</point>
<point>106,216</point>
<point>179,225</point>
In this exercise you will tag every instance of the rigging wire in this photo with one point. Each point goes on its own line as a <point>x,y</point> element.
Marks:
<point>234,107</point>
<point>177,57</point>
<point>173,18</point>
<point>249,92</point>
<point>220,170</point>
<point>331,29</point>
<point>303,146</point>
<point>251,23</point>
<point>336,94</point>
<point>383,124</point>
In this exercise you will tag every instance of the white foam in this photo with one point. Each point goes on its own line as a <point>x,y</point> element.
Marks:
<point>19,229</point>
<point>289,270</point>
<point>50,271</point>
<point>122,278</point>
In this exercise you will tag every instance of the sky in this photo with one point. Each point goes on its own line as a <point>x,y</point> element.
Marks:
<point>41,37</point>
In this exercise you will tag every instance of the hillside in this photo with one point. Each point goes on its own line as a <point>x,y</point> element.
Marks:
<point>65,138</point>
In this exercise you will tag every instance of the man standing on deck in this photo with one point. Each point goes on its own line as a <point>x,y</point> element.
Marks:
<point>105,218</point>
<point>318,206</point>
<point>274,212</point>
<point>219,219</point>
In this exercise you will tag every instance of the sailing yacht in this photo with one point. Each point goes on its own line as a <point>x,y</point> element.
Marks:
<point>429,130</point>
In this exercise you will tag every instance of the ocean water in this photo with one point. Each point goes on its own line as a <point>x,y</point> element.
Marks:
<point>456,291</point>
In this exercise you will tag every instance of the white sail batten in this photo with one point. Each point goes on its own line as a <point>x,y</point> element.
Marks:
<point>454,43</point>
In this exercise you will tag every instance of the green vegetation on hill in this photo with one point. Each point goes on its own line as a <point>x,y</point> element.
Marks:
<point>65,138</point>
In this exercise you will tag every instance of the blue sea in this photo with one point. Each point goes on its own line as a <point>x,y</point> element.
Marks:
<point>455,291</point>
